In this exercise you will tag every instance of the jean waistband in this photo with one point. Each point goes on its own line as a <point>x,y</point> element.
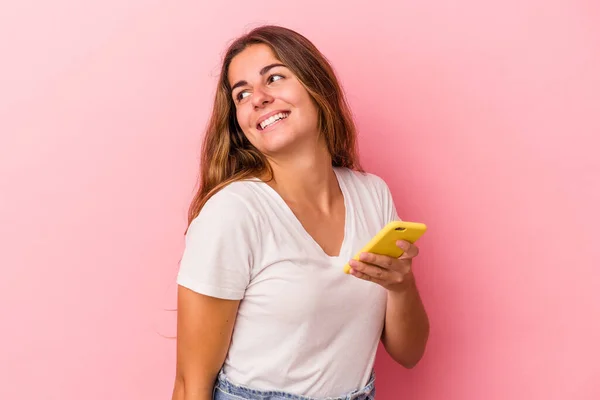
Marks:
<point>226,390</point>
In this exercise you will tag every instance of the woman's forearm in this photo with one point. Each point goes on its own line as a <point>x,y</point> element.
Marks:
<point>406,329</point>
<point>181,392</point>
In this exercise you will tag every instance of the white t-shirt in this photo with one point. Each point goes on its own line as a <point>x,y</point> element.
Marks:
<point>303,325</point>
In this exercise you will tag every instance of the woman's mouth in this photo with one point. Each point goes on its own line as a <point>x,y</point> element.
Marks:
<point>272,120</point>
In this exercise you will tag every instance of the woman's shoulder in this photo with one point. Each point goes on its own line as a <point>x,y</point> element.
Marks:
<point>238,191</point>
<point>234,202</point>
<point>363,178</point>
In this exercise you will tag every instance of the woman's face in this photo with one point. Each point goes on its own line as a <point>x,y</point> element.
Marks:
<point>274,110</point>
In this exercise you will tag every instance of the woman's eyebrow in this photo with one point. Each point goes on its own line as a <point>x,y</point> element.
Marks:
<point>266,69</point>
<point>263,71</point>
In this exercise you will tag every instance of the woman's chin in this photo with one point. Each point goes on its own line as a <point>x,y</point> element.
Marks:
<point>275,143</point>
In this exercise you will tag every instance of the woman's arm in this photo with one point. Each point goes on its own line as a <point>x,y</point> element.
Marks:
<point>406,327</point>
<point>204,328</point>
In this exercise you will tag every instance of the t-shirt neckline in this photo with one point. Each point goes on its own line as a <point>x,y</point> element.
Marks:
<point>300,228</point>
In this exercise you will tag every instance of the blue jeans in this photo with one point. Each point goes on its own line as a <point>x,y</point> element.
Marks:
<point>226,390</point>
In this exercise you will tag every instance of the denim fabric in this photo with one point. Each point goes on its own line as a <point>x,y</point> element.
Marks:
<point>225,390</point>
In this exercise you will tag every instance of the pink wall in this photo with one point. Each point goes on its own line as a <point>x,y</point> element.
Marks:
<point>482,116</point>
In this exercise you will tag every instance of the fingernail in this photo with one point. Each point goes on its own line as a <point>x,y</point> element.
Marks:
<point>403,245</point>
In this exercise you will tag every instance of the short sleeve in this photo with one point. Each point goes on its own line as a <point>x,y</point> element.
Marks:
<point>219,248</point>
<point>387,201</point>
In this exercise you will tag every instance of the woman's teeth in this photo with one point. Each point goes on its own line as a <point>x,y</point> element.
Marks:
<point>272,119</point>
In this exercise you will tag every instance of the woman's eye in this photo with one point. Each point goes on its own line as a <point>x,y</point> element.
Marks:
<point>242,95</point>
<point>275,77</point>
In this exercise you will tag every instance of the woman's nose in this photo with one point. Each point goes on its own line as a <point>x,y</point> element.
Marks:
<point>261,98</point>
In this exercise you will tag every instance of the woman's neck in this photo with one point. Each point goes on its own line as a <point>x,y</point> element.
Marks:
<point>306,178</point>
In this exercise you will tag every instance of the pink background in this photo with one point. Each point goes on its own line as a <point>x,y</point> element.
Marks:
<point>482,116</point>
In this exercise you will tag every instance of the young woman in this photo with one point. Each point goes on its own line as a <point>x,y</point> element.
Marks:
<point>265,310</point>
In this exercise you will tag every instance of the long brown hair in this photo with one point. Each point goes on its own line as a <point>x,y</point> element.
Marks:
<point>228,156</point>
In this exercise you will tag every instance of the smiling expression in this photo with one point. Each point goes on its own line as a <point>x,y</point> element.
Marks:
<point>273,108</point>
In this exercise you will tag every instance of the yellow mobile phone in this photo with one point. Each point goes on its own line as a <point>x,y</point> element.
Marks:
<point>384,242</point>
